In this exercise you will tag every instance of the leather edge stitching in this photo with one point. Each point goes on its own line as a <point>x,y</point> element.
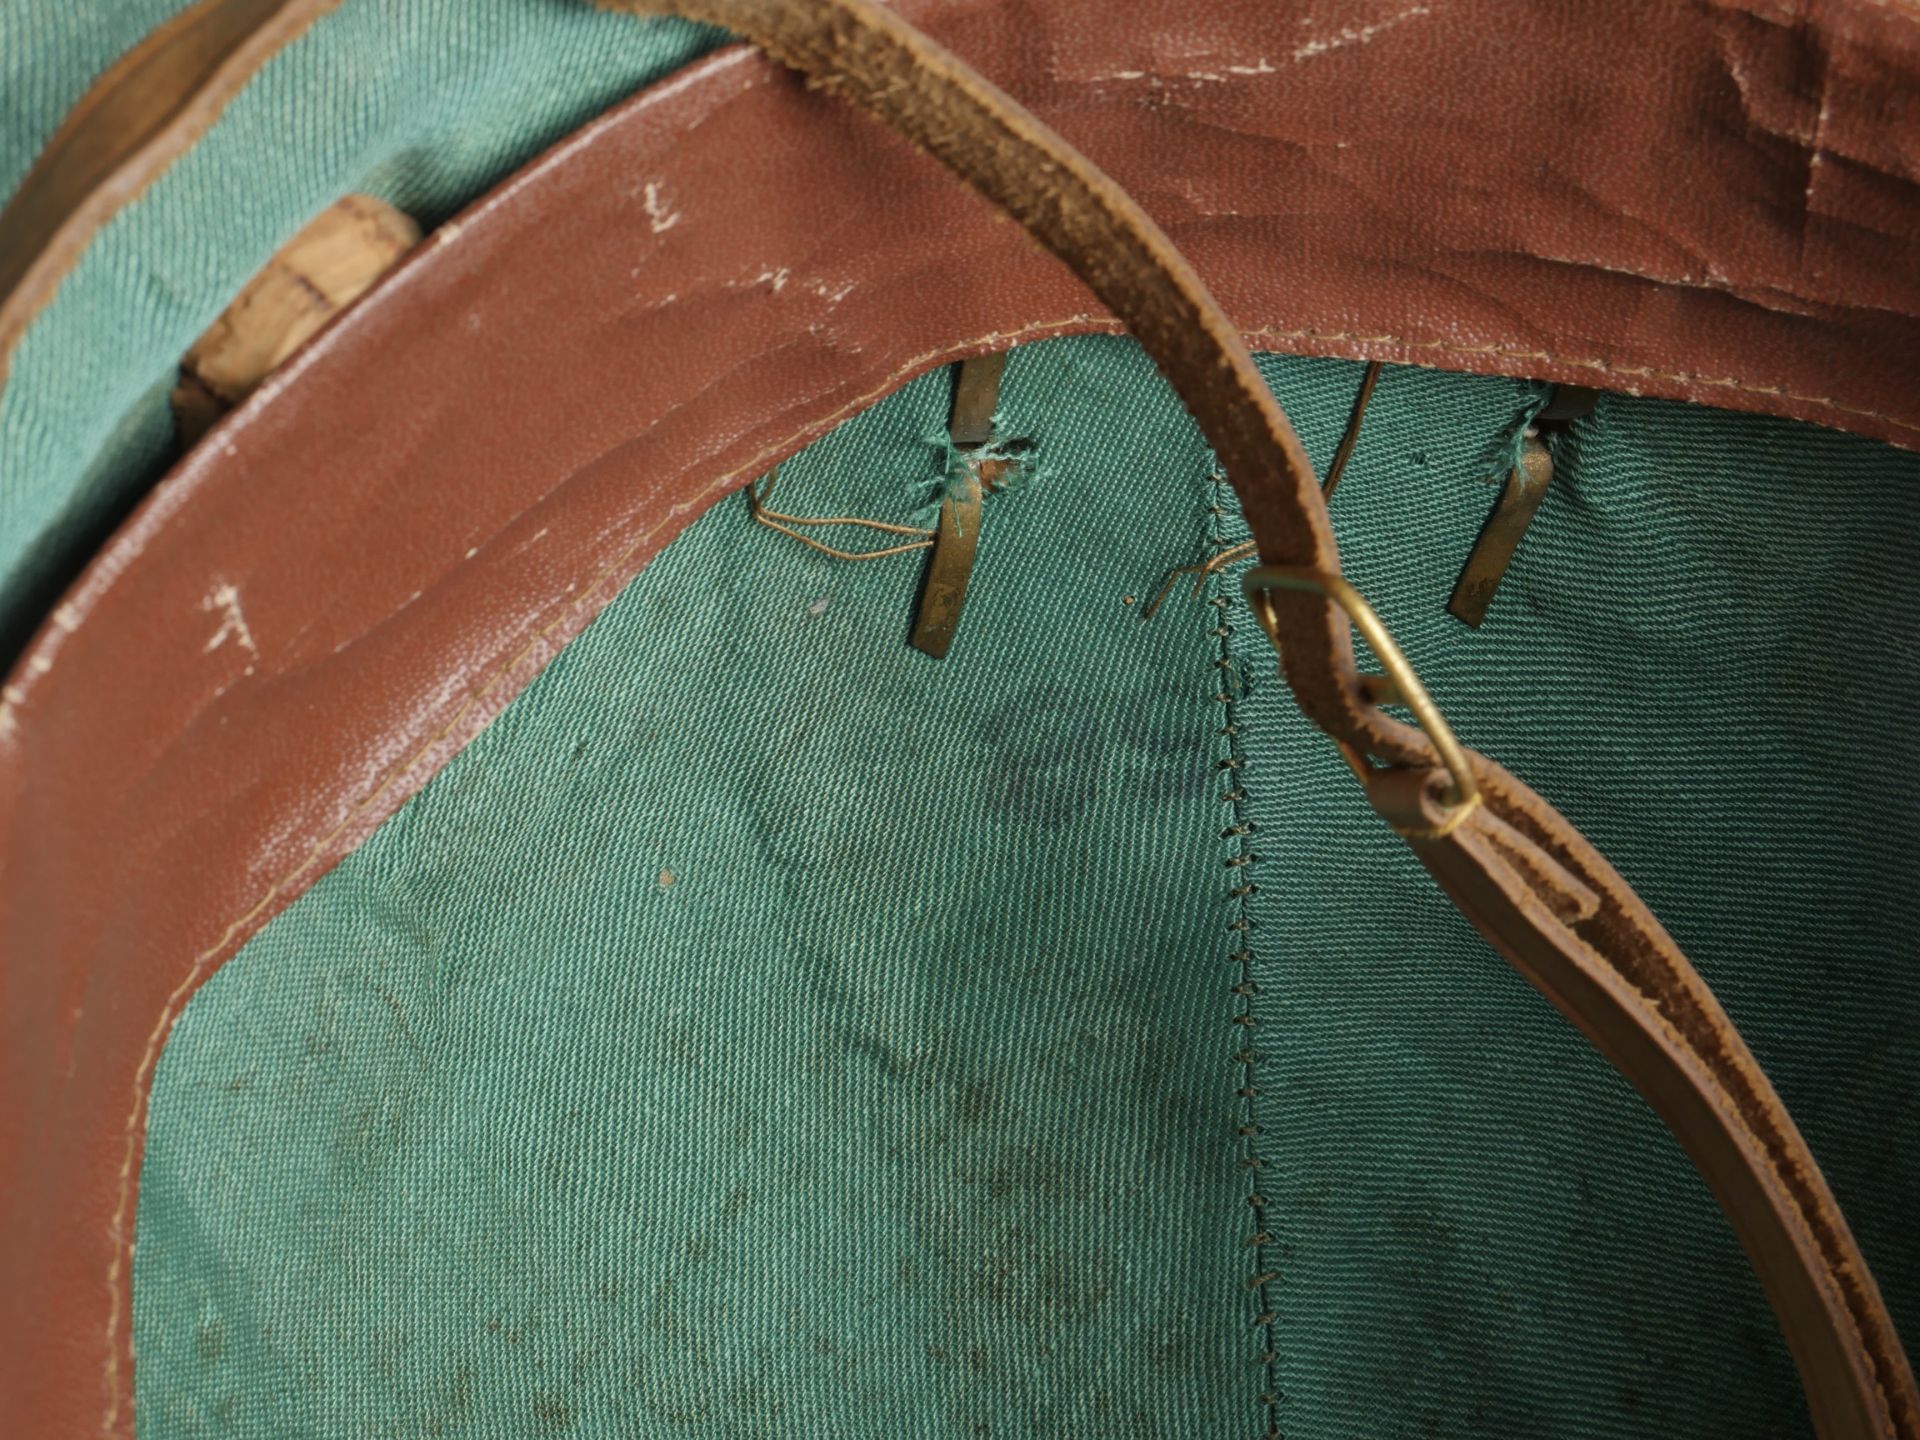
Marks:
<point>1604,367</point>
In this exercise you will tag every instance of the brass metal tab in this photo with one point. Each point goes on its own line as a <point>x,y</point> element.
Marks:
<point>950,568</point>
<point>1486,565</point>
<point>976,394</point>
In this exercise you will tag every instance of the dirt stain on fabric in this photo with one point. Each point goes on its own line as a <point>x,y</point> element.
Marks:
<point>210,1339</point>
<point>1045,756</point>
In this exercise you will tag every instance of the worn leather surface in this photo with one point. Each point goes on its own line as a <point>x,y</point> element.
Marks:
<point>1714,201</point>
<point>373,555</point>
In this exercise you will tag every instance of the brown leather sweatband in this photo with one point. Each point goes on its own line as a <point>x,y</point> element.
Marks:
<point>1765,264</point>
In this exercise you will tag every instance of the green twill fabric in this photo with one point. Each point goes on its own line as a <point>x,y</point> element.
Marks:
<point>762,1030</point>
<point>424,103</point>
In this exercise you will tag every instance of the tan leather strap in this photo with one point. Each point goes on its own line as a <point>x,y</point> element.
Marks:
<point>1524,876</point>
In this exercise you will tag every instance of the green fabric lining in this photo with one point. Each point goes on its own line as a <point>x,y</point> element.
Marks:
<point>424,103</point>
<point>763,1030</point>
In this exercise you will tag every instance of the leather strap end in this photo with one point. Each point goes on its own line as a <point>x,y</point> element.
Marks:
<point>1546,900</point>
<point>1413,801</point>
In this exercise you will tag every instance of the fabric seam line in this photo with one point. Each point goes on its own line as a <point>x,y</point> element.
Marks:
<point>1239,865</point>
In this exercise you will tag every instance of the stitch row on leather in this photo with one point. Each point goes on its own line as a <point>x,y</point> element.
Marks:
<point>1603,367</point>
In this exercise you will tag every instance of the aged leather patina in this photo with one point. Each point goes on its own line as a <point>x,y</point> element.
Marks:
<point>1760,263</point>
<point>485,607</point>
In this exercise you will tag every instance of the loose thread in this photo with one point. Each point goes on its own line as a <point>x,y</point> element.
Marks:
<point>757,496</point>
<point>1206,569</point>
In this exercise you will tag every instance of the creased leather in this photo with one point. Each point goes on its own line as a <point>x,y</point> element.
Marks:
<point>411,519</point>
<point>1715,201</point>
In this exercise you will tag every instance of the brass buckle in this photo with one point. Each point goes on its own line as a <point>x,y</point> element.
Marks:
<point>1400,685</point>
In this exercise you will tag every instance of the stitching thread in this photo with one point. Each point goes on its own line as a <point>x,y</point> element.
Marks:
<point>1080,323</point>
<point>1239,865</point>
<point>1604,367</point>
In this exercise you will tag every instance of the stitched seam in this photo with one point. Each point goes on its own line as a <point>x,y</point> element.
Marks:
<point>1604,367</point>
<point>1239,862</point>
<point>170,1012</point>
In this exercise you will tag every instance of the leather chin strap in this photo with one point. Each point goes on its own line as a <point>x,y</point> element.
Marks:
<point>1526,879</point>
